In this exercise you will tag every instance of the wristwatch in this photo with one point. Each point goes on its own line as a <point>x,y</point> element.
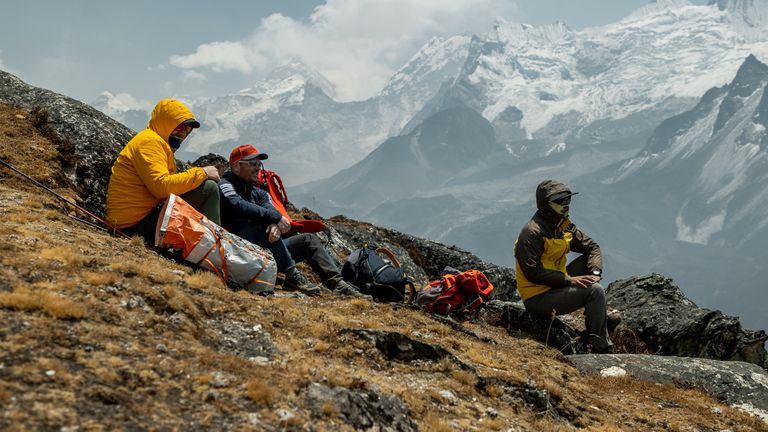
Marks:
<point>597,272</point>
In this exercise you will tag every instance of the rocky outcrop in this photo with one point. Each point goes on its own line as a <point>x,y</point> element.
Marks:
<point>549,331</point>
<point>95,139</point>
<point>740,384</point>
<point>668,323</point>
<point>397,346</point>
<point>363,410</point>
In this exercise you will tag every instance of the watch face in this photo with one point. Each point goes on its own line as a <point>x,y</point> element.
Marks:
<point>596,272</point>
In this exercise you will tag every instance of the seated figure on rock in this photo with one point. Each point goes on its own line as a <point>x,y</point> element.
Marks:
<point>546,284</point>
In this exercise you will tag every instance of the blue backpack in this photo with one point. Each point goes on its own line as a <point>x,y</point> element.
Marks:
<point>380,277</point>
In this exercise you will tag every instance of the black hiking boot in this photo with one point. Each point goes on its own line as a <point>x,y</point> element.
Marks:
<point>344,288</point>
<point>296,281</point>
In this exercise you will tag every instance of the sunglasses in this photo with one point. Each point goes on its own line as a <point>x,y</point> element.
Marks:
<point>182,128</point>
<point>562,201</point>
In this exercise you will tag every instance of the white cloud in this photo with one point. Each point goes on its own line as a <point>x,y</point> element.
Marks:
<point>157,68</point>
<point>2,66</point>
<point>357,44</point>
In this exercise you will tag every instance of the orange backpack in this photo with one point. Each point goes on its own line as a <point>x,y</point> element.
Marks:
<point>272,183</point>
<point>456,293</point>
<point>235,260</point>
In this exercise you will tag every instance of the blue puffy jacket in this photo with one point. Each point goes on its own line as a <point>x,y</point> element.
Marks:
<point>242,204</point>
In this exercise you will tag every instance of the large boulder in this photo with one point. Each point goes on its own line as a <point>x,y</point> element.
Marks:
<point>550,331</point>
<point>668,323</point>
<point>95,138</point>
<point>740,384</point>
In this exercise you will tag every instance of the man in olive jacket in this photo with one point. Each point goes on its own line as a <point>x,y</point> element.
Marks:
<point>144,174</point>
<point>545,283</point>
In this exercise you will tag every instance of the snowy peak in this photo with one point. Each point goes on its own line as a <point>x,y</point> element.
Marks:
<point>288,82</point>
<point>111,104</point>
<point>751,77</point>
<point>512,33</point>
<point>753,12</point>
<point>437,61</point>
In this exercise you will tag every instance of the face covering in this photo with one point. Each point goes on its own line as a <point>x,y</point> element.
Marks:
<point>559,209</point>
<point>174,142</point>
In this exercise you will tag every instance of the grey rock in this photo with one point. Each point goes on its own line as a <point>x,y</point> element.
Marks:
<point>361,409</point>
<point>664,319</point>
<point>741,384</point>
<point>534,398</point>
<point>95,138</point>
<point>517,321</point>
<point>242,339</point>
<point>397,346</point>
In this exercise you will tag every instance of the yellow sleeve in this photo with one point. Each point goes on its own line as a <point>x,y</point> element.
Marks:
<point>151,162</point>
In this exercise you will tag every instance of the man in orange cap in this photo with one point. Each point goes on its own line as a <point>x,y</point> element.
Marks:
<point>247,211</point>
<point>144,174</point>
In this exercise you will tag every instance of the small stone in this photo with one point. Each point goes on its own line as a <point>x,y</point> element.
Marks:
<point>178,272</point>
<point>449,397</point>
<point>285,415</point>
<point>220,380</point>
<point>492,413</point>
<point>613,372</point>
<point>716,410</point>
<point>161,348</point>
<point>50,373</point>
<point>20,117</point>
<point>259,360</point>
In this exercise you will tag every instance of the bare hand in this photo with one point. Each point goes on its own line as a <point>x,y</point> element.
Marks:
<point>212,173</point>
<point>284,225</point>
<point>584,281</point>
<point>273,233</point>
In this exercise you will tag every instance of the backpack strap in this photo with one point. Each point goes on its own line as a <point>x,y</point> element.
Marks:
<point>390,255</point>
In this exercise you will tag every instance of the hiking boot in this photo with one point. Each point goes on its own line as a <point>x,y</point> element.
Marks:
<point>344,288</point>
<point>296,281</point>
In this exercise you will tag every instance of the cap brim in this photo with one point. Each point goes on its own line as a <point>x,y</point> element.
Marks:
<point>260,156</point>
<point>192,123</point>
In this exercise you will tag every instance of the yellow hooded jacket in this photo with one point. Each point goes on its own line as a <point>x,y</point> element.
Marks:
<point>145,170</point>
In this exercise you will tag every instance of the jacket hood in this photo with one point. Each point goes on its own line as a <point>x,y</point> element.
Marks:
<point>545,190</point>
<point>167,115</point>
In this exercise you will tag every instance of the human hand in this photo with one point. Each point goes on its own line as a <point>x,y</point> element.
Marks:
<point>273,233</point>
<point>584,281</point>
<point>212,173</point>
<point>284,225</point>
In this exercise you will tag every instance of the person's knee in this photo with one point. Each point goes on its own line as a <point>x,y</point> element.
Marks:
<point>597,291</point>
<point>209,189</point>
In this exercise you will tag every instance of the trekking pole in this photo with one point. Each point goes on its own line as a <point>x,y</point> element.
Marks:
<point>54,193</point>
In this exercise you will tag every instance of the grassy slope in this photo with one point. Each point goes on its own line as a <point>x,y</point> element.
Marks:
<point>101,333</point>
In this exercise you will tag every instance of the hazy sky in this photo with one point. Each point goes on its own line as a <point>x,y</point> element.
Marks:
<point>147,50</point>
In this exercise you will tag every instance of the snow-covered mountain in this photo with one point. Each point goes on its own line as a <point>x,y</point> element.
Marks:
<point>700,190</point>
<point>123,108</point>
<point>585,86</point>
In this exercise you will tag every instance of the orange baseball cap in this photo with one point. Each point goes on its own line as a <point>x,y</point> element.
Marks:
<point>245,152</point>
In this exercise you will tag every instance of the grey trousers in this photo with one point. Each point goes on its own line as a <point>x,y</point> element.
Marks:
<point>565,300</point>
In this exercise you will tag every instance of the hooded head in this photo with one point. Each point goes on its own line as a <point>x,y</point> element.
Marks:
<point>549,191</point>
<point>167,116</point>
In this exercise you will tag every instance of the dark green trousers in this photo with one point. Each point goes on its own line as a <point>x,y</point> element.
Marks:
<point>204,198</point>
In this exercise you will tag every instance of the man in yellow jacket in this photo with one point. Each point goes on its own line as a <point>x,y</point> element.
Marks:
<point>545,283</point>
<point>144,174</point>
